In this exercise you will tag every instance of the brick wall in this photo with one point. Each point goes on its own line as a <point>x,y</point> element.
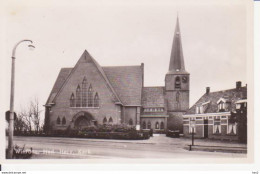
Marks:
<point>130,113</point>
<point>200,132</point>
<point>107,107</point>
<point>153,122</point>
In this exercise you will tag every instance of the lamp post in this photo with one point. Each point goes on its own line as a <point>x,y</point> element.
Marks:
<point>193,124</point>
<point>11,120</point>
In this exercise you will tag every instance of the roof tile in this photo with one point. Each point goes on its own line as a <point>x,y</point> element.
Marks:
<point>232,95</point>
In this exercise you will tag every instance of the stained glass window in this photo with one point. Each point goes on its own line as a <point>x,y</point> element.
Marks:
<point>78,97</point>
<point>90,96</point>
<point>72,100</point>
<point>96,100</point>
<point>84,92</point>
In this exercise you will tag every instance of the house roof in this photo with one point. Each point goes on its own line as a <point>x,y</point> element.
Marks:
<point>124,81</point>
<point>127,82</point>
<point>231,95</point>
<point>153,97</point>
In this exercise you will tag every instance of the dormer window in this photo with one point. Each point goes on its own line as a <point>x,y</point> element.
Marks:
<point>238,106</point>
<point>241,104</point>
<point>222,105</point>
<point>197,109</point>
<point>177,83</point>
<point>202,108</point>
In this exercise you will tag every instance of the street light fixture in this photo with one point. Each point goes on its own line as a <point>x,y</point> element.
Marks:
<point>31,47</point>
<point>11,120</point>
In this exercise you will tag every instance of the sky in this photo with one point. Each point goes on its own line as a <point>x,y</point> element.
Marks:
<point>122,32</point>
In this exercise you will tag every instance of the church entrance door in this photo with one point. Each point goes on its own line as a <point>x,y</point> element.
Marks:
<point>82,120</point>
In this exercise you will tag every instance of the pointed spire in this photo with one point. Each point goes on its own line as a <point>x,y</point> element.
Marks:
<point>177,60</point>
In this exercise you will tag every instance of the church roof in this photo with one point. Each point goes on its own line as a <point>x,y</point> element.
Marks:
<point>63,75</point>
<point>153,97</point>
<point>124,81</point>
<point>212,98</point>
<point>127,82</point>
<point>177,60</point>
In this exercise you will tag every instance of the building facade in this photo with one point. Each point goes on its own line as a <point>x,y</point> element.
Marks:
<point>218,115</point>
<point>89,94</point>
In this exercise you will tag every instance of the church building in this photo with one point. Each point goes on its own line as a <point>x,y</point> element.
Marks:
<point>89,94</point>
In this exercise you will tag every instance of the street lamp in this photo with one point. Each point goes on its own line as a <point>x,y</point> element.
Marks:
<point>11,120</point>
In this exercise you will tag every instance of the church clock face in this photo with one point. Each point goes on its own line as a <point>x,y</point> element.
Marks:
<point>184,79</point>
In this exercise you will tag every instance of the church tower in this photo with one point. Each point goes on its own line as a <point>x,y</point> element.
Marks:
<point>177,84</point>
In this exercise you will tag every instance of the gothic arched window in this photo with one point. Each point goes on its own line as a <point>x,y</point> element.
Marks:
<point>177,82</point>
<point>90,96</point>
<point>110,121</point>
<point>72,100</point>
<point>162,125</point>
<point>84,92</point>
<point>78,97</point>
<point>105,120</point>
<point>96,100</point>
<point>63,120</point>
<point>84,96</point>
<point>130,121</point>
<point>156,125</point>
<point>144,125</point>
<point>149,125</point>
<point>58,120</point>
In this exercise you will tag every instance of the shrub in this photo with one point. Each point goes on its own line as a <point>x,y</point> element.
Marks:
<point>100,131</point>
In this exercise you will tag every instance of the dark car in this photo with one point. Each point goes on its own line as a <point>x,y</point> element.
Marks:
<point>173,133</point>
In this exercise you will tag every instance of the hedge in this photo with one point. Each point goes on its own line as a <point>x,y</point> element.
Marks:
<point>99,132</point>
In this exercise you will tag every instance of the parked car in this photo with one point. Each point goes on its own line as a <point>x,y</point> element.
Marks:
<point>173,133</point>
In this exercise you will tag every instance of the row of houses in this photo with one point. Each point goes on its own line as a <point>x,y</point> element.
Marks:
<point>218,115</point>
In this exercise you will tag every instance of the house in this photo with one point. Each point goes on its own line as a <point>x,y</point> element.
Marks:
<point>212,116</point>
<point>89,94</point>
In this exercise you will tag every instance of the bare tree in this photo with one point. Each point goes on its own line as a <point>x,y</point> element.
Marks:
<point>35,114</point>
<point>19,124</point>
<point>29,118</point>
<point>26,114</point>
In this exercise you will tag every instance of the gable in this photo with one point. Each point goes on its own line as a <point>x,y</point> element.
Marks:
<point>125,82</point>
<point>89,68</point>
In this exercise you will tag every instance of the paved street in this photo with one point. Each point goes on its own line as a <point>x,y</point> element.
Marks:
<point>156,147</point>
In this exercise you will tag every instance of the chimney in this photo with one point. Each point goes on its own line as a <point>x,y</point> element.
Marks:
<point>238,84</point>
<point>207,90</point>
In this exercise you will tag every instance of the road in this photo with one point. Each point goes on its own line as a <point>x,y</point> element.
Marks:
<point>155,147</point>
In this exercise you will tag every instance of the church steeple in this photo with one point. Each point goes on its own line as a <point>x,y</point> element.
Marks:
<point>177,84</point>
<point>177,60</point>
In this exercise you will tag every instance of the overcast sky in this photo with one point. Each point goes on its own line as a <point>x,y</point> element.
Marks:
<point>125,32</point>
